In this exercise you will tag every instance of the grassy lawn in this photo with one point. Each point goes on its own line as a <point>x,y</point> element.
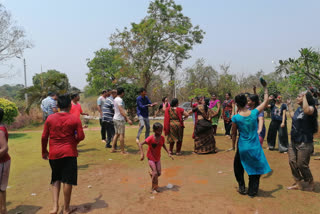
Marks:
<point>113,183</point>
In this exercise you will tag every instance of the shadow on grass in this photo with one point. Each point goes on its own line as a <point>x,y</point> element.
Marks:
<point>89,207</point>
<point>25,209</point>
<point>133,149</point>
<point>84,166</point>
<point>316,187</point>
<point>87,150</point>
<point>175,188</point>
<point>186,153</point>
<point>16,135</point>
<point>268,194</point>
<point>80,145</point>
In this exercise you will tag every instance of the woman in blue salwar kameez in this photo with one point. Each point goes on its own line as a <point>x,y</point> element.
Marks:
<point>249,156</point>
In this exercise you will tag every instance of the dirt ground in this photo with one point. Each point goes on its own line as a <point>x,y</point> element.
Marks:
<point>113,183</point>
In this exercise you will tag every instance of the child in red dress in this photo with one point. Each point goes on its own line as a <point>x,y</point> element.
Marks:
<point>155,143</point>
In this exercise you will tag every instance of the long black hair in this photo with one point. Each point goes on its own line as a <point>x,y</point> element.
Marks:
<point>206,104</point>
<point>311,102</point>
<point>174,102</point>
<point>241,100</point>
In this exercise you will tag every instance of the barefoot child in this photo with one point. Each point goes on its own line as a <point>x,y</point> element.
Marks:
<point>4,164</point>
<point>155,143</point>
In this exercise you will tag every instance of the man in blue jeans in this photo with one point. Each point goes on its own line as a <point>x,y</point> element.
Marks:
<point>143,103</point>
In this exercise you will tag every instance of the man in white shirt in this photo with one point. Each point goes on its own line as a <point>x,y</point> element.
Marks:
<point>119,119</point>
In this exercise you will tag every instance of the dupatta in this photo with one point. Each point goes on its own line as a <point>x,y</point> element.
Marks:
<point>179,112</point>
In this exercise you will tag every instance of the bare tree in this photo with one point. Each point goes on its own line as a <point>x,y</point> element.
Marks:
<point>12,37</point>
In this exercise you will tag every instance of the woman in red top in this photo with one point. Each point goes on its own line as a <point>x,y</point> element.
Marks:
<point>4,164</point>
<point>65,132</point>
<point>155,143</point>
<point>173,125</point>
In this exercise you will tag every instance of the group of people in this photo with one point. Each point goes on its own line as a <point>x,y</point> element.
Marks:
<point>243,118</point>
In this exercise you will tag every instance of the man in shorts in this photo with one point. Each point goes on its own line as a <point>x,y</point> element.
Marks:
<point>119,120</point>
<point>64,132</point>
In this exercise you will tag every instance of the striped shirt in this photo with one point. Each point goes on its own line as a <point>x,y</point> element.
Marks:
<point>108,110</point>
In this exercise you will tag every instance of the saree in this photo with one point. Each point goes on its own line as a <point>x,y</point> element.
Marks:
<point>204,141</point>
<point>173,125</point>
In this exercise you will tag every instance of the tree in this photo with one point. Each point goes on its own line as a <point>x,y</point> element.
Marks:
<point>226,83</point>
<point>150,46</point>
<point>10,110</point>
<point>10,92</point>
<point>43,83</point>
<point>131,93</point>
<point>105,68</point>
<point>201,76</point>
<point>12,37</point>
<point>303,71</point>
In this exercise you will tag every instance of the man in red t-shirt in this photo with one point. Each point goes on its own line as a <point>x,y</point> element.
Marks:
<point>76,109</point>
<point>64,132</point>
<point>155,143</point>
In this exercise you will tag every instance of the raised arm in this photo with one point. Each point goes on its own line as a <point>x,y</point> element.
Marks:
<point>254,89</point>
<point>264,104</point>
<point>308,110</point>
<point>290,107</point>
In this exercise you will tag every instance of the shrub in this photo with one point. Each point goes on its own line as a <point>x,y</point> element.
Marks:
<point>10,110</point>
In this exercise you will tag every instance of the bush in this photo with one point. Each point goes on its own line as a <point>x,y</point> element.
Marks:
<point>34,118</point>
<point>10,110</point>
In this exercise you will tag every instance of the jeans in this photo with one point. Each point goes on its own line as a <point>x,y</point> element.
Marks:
<point>275,126</point>
<point>144,122</point>
<point>299,158</point>
<point>103,129</point>
<point>110,130</point>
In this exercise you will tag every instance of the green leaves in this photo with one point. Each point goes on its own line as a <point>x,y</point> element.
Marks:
<point>10,110</point>
<point>303,71</point>
<point>150,46</point>
<point>105,69</point>
<point>50,81</point>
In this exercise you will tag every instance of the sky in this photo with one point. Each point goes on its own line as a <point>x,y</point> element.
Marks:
<point>247,34</point>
